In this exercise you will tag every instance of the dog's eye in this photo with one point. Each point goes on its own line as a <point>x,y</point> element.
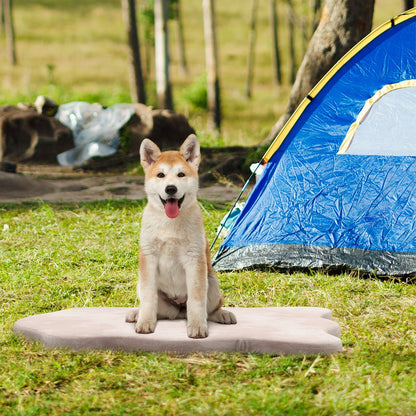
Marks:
<point>160,175</point>
<point>181,175</point>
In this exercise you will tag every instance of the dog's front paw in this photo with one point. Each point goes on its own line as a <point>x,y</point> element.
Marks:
<point>145,327</point>
<point>132,315</point>
<point>223,317</point>
<point>198,331</point>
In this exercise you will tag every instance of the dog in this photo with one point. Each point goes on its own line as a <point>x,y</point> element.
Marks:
<point>176,278</point>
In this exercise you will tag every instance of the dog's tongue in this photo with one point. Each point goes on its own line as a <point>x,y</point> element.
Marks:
<point>172,208</point>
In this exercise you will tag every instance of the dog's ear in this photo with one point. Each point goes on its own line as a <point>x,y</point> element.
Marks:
<point>149,152</point>
<point>191,151</point>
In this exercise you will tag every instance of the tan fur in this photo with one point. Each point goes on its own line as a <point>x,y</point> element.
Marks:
<point>174,259</point>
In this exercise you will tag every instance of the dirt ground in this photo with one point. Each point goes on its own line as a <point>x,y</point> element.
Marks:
<point>58,184</point>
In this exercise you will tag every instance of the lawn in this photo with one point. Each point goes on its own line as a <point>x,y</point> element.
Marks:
<point>56,256</point>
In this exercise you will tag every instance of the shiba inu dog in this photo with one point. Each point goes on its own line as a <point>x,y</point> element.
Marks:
<point>176,279</point>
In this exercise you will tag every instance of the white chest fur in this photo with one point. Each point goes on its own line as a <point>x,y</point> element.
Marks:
<point>172,244</point>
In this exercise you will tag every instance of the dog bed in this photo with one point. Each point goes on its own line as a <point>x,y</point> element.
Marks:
<point>275,330</point>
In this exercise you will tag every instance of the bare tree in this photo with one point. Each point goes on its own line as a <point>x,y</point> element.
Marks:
<point>163,86</point>
<point>8,22</point>
<point>315,17</point>
<point>176,5</point>
<point>291,25</point>
<point>137,89</point>
<point>2,15</point>
<point>147,26</point>
<point>252,47</point>
<point>275,39</point>
<point>211,57</point>
<point>343,24</point>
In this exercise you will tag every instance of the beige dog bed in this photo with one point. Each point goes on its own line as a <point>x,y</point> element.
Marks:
<point>263,330</point>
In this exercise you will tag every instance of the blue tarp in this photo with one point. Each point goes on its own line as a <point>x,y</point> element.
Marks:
<point>314,207</point>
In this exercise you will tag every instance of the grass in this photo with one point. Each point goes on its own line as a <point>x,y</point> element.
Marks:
<point>55,256</point>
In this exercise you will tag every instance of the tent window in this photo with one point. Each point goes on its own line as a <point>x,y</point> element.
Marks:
<point>386,125</point>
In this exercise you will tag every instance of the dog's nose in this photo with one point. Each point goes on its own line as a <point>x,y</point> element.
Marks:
<point>171,189</point>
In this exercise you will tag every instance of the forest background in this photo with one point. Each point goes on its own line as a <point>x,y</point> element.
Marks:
<point>73,50</point>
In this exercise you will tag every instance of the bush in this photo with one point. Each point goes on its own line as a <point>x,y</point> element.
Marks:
<point>196,93</point>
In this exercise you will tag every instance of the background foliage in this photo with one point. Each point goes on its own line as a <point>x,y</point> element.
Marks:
<point>76,50</point>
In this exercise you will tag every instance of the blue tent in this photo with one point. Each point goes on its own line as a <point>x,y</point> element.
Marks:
<point>339,187</point>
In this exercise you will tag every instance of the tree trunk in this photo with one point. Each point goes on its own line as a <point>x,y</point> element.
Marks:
<point>211,57</point>
<point>291,25</point>
<point>315,18</point>
<point>2,19</point>
<point>137,89</point>
<point>163,87</point>
<point>181,38</point>
<point>147,27</point>
<point>275,39</point>
<point>304,26</point>
<point>8,21</point>
<point>343,24</point>
<point>252,47</point>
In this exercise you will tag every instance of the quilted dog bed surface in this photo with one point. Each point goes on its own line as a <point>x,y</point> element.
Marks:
<point>275,330</point>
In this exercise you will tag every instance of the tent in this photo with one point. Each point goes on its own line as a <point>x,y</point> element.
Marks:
<point>339,187</point>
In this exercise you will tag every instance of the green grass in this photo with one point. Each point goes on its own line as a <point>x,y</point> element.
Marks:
<point>55,256</point>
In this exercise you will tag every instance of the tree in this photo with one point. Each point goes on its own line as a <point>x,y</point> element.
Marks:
<point>176,7</point>
<point>408,4</point>
<point>9,27</point>
<point>291,25</point>
<point>342,25</point>
<point>315,17</point>
<point>137,89</point>
<point>211,57</point>
<point>163,86</point>
<point>275,39</point>
<point>252,46</point>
